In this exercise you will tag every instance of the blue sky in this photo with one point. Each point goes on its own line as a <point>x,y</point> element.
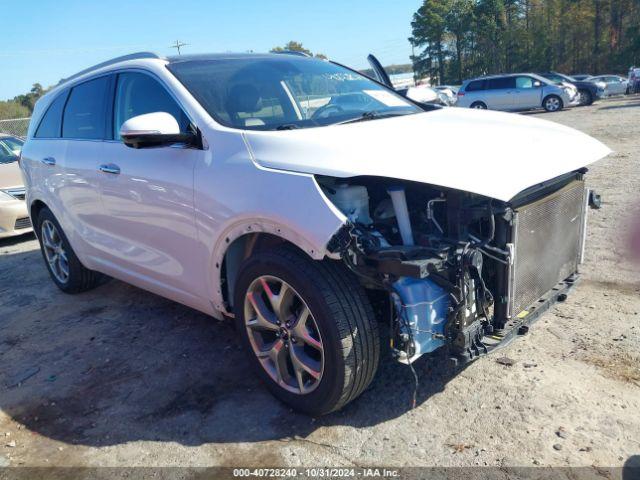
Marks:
<point>45,41</point>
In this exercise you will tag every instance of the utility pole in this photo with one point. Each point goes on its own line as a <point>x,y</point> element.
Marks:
<point>178,45</point>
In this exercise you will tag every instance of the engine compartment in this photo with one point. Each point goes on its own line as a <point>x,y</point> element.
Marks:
<point>443,256</point>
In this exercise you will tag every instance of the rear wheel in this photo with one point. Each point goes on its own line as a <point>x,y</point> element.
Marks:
<point>552,103</point>
<point>308,327</point>
<point>64,266</point>
<point>479,105</point>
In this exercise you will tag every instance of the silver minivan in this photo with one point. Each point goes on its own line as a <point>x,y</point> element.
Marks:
<point>518,91</point>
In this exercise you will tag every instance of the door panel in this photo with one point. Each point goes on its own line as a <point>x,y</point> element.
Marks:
<point>147,195</point>
<point>501,93</point>
<point>615,86</point>
<point>79,193</point>
<point>528,96</point>
<point>149,214</point>
<point>83,129</point>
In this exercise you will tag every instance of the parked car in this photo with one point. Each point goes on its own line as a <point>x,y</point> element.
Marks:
<point>203,179</point>
<point>14,218</point>
<point>582,76</point>
<point>615,84</point>
<point>512,92</point>
<point>634,80</point>
<point>450,92</point>
<point>588,92</point>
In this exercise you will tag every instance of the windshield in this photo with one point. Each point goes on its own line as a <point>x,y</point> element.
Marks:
<point>285,92</point>
<point>10,149</point>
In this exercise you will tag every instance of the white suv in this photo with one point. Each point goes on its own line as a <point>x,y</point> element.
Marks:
<point>310,203</point>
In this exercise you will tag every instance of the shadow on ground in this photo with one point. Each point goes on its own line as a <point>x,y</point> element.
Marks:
<point>118,364</point>
<point>626,105</point>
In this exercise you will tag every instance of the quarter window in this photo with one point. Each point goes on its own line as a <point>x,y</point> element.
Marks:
<point>85,113</point>
<point>138,94</point>
<point>52,120</point>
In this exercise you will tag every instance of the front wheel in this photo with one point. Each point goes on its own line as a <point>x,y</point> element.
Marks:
<point>585,97</point>
<point>308,327</point>
<point>552,103</point>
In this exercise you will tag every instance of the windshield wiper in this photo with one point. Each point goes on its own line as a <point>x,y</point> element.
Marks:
<point>287,126</point>
<point>372,115</point>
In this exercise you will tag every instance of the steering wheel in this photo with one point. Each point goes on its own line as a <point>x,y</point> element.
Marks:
<point>327,111</point>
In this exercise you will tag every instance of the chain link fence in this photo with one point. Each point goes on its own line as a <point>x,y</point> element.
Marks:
<point>15,126</point>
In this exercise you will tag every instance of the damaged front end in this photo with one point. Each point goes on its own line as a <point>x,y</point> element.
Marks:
<point>460,270</point>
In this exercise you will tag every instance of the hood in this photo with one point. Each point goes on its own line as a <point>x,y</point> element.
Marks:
<point>10,175</point>
<point>489,153</point>
<point>585,84</point>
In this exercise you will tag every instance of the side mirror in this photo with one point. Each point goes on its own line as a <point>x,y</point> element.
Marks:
<point>154,130</point>
<point>537,84</point>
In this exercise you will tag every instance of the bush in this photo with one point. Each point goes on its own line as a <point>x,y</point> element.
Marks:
<point>12,109</point>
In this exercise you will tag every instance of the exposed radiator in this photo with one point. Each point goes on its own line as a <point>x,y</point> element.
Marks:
<point>547,237</point>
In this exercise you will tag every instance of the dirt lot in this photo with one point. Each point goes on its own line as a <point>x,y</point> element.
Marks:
<point>118,376</point>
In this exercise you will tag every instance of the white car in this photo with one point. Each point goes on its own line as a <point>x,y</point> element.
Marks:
<point>242,186</point>
<point>14,219</point>
<point>614,84</point>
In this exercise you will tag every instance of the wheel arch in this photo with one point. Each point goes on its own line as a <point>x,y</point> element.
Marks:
<point>241,240</point>
<point>34,210</point>
<point>479,101</point>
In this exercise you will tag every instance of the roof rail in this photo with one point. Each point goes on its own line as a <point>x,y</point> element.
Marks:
<point>131,56</point>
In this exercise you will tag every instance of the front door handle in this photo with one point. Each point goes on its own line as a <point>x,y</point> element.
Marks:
<point>110,168</point>
<point>49,161</point>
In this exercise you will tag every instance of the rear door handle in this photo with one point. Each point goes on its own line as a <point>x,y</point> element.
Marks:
<point>110,168</point>
<point>49,161</point>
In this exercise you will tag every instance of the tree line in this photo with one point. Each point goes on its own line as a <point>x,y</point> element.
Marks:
<point>458,39</point>
<point>21,106</point>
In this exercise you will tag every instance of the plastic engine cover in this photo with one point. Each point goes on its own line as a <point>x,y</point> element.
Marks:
<point>424,306</point>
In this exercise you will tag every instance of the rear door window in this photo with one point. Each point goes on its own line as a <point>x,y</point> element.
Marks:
<point>475,86</point>
<point>51,123</point>
<point>86,111</point>
<point>502,83</point>
<point>138,94</point>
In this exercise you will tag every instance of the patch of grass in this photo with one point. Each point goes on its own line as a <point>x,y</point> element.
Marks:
<point>619,365</point>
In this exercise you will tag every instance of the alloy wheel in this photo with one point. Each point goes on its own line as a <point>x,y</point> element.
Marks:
<point>54,251</point>
<point>552,104</point>
<point>284,335</point>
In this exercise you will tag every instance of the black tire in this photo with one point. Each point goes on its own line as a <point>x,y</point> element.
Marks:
<point>479,105</point>
<point>586,98</point>
<point>552,103</point>
<point>80,279</point>
<point>344,318</point>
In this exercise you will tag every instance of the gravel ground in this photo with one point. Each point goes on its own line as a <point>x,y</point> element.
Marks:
<point>121,377</point>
